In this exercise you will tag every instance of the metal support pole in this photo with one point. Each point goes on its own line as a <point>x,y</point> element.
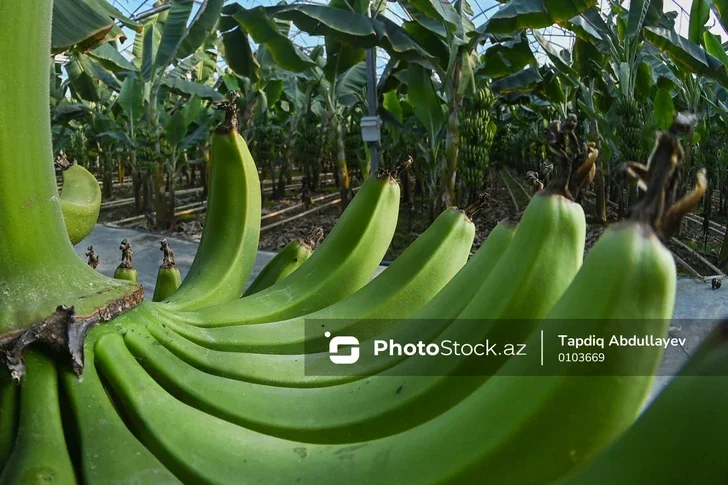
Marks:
<point>372,98</point>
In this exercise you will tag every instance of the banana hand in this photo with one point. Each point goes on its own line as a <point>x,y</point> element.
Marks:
<point>343,263</point>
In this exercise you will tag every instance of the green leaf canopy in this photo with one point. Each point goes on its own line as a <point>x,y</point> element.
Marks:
<point>533,14</point>
<point>687,54</point>
<point>75,23</point>
<point>424,100</point>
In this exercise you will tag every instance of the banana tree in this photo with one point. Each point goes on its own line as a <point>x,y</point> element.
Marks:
<point>349,30</point>
<point>446,32</point>
<point>173,60</point>
<point>614,42</point>
<point>260,81</point>
<point>694,61</point>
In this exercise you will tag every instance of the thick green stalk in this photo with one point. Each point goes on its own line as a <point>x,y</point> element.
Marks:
<point>31,221</point>
<point>39,269</point>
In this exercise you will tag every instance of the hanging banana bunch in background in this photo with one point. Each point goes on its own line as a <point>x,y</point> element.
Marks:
<point>477,131</point>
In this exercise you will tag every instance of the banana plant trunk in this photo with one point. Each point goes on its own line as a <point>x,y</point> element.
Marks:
<point>147,190</point>
<point>452,139</point>
<point>136,182</point>
<point>287,159</point>
<point>40,269</point>
<point>122,171</point>
<point>321,158</point>
<point>171,204</point>
<point>707,208</point>
<point>343,171</point>
<point>601,199</point>
<point>107,175</point>
<point>160,199</point>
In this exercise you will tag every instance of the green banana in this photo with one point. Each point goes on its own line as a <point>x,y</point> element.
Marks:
<point>505,420</point>
<point>168,276</point>
<point>680,437</point>
<point>40,454</point>
<point>545,253</point>
<point>406,285</point>
<point>342,264</point>
<point>8,418</point>
<point>539,273</point>
<point>109,452</point>
<point>548,421</point>
<point>226,255</point>
<point>288,260</point>
<point>287,370</point>
<point>125,270</point>
<point>80,201</point>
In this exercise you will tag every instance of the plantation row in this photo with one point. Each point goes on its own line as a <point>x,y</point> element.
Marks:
<point>143,107</point>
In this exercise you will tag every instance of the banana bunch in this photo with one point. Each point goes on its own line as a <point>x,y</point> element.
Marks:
<point>476,136</point>
<point>206,387</point>
<point>629,129</point>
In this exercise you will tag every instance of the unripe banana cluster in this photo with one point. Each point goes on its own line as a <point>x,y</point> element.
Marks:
<point>629,130</point>
<point>476,137</point>
<point>207,386</point>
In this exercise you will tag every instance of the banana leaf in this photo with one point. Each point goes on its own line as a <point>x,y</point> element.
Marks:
<point>189,88</point>
<point>392,105</point>
<point>200,29</point>
<point>173,33</point>
<point>75,23</point>
<point>82,84</point>
<point>533,14</point>
<point>424,100</point>
<point>350,85</point>
<point>340,56</point>
<point>560,64</point>
<point>131,99</point>
<point>150,44</point>
<point>699,15</point>
<point>507,57</point>
<point>521,82</point>
<point>239,55</point>
<point>688,54</point>
<point>265,31</point>
<point>110,58</point>
<point>664,109</point>
<point>636,17</point>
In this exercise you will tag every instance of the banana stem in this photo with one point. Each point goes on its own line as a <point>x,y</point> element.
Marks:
<point>314,237</point>
<point>168,254</point>
<point>47,292</point>
<point>31,220</point>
